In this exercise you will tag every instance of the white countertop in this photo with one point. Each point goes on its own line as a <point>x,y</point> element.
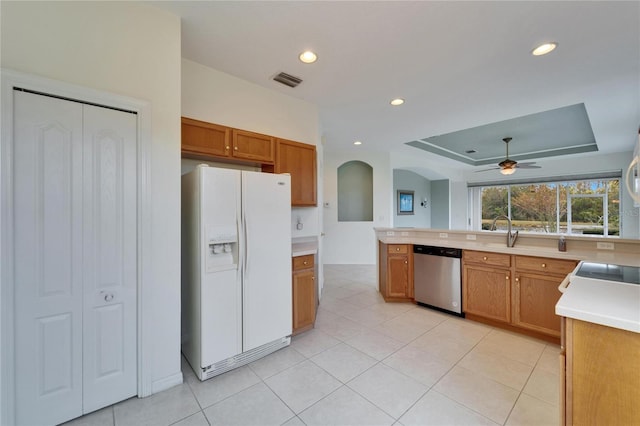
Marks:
<point>627,252</point>
<point>304,246</point>
<point>601,302</point>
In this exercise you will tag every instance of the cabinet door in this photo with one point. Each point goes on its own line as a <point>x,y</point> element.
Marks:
<point>487,292</point>
<point>201,138</point>
<point>304,301</point>
<point>603,372</point>
<point>535,298</point>
<point>299,160</point>
<point>253,146</point>
<point>398,279</point>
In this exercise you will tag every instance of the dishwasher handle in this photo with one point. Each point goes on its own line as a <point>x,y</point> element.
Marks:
<point>438,251</point>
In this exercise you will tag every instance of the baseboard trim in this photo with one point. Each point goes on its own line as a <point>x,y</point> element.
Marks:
<point>166,383</point>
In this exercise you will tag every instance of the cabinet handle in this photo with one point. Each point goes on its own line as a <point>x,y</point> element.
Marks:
<point>517,279</point>
<point>405,262</point>
<point>544,265</point>
<point>397,248</point>
<point>484,258</point>
<point>227,148</point>
<point>507,277</point>
<point>313,278</point>
<point>235,148</point>
<point>305,262</point>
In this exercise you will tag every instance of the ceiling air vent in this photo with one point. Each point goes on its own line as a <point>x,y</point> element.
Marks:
<point>287,80</point>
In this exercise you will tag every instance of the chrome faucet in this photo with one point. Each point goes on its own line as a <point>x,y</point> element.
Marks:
<point>511,238</point>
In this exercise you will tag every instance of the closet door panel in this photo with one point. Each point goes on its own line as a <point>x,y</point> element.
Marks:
<point>110,373</point>
<point>48,258</point>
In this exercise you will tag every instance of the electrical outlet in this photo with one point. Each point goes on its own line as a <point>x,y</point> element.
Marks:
<point>471,237</point>
<point>444,235</point>
<point>404,234</point>
<point>390,233</point>
<point>605,246</point>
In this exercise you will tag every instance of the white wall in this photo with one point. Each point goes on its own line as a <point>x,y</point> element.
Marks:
<point>355,242</point>
<point>130,49</point>
<point>216,97</point>
<point>421,217</point>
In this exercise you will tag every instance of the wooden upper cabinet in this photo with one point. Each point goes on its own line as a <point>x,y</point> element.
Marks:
<point>252,146</point>
<point>299,160</point>
<point>202,138</point>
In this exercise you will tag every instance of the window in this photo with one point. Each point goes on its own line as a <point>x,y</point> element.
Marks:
<point>580,207</point>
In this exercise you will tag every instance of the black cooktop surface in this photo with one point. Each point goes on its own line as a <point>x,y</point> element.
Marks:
<point>610,272</point>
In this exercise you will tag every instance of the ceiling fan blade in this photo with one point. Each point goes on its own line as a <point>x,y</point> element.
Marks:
<point>527,166</point>
<point>486,170</point>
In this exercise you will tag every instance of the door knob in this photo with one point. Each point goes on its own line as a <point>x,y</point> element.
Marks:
<point>107,297</point>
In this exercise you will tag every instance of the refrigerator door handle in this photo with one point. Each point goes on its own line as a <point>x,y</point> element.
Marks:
<point>245,233</point>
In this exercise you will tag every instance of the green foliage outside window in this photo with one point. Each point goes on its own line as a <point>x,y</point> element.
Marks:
<point>543,207</point>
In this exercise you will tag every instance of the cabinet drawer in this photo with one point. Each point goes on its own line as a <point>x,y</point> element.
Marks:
<point>487,258</point>
<point>545,265</point>
<point>398,248</point>
<point>303,262</point>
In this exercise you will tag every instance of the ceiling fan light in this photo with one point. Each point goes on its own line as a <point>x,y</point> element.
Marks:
<point>508,171</point>
<point>543,49</point>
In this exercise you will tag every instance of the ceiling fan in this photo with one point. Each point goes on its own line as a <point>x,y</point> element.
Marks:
<point>508,166</point>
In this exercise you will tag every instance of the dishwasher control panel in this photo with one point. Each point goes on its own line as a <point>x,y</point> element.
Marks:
<point>438,251</point>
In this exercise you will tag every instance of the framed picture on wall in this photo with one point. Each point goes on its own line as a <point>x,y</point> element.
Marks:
<point>405,202</point>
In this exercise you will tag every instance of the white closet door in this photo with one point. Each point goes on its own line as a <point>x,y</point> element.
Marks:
<point>48,258</point>
<point>109,265</point>
<point>75,257</point>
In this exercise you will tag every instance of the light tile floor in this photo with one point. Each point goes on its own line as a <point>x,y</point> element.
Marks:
<point>368,363</point>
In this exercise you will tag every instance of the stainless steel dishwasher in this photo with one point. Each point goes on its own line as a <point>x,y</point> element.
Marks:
<point>436,277</point>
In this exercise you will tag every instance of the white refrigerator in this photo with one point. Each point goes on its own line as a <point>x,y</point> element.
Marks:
<point>236,267</point>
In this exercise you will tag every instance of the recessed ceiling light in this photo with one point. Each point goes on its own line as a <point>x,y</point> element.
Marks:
<point>308,57</point>
<point>397,101</point>
<point>357,143</point>
<point>543,49</point>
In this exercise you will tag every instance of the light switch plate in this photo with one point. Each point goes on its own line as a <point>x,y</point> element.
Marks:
<point>390,233</point>
<point>444,235</point>
<point>471,237</point>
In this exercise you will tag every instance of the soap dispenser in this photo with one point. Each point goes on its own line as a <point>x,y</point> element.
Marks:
<point>562,244</point>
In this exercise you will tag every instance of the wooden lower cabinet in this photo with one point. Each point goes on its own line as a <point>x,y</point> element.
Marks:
<point>304,293</point>
<point>535,292</point>
<point>535,297</point>
<point>601,380</point>
<point>396,272</point>
<point>487,292</point>
<point>518,291</point>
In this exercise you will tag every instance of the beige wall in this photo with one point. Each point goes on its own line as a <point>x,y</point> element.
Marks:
<point>129,49</point>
